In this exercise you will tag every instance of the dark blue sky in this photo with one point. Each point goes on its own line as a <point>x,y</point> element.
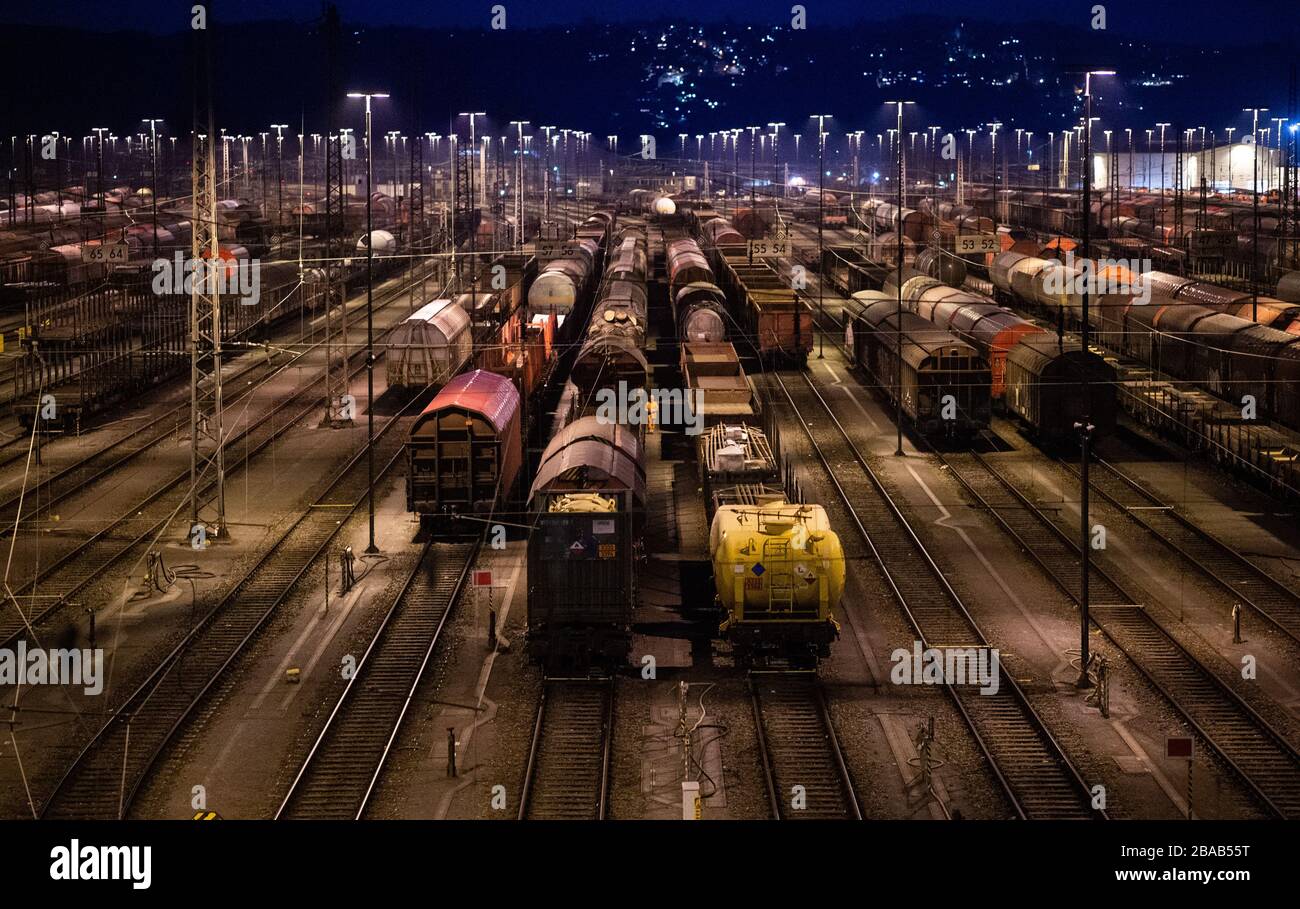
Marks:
<point>1193,21</point>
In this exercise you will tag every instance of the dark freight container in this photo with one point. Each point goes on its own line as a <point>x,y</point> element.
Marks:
<point>581,588</point>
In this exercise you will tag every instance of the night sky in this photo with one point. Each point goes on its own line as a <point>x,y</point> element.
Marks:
<point>1192,21</point>
<point>437,58</point>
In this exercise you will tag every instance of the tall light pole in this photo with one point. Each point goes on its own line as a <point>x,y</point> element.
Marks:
<point>370,318</point>
<point>735,171</point>
<point>390,140</point>
<point>1162,180</point>
<point>821,217</point>
<point>776,154</point>
<point>1128,133</point>
<point>932,148</point>
<point>99,170</point>
<point>1254,246</point>
<point>473,150</point>
<point>1084,426</point>
<point>279,176</point>
<point>519,185</point>
<point>898,312</point>
<point>153,167</point>
<point>993,151</point>
<point>546,171</point>
<point>1272,175</point>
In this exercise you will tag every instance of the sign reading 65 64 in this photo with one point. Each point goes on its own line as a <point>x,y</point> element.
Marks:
<point>106,254</point>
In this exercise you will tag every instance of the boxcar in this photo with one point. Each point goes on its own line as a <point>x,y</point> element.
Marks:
<point>1210,354</point>
<point>1175,327</point>
<point>465,450</point>
<point>713,371</point>
<point>587,502</point>
<point>1255,358</point>
<point>992,331</point>
<point>945,382</point>
<point>1045,376</point>
<point>778,324</point>
<point>430,347</point>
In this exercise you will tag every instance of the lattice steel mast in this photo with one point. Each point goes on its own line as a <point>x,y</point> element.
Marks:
<point>207,443</point>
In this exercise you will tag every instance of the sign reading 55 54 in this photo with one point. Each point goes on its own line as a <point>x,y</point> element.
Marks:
<point>769,246</point>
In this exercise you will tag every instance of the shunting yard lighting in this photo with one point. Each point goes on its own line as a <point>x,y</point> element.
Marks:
<point>898,313</point>
<point>370,320</point>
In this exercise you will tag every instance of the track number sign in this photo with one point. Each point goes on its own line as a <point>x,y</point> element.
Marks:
<point>977,243</point>
<point>770,246</point>
<point>106,254</point>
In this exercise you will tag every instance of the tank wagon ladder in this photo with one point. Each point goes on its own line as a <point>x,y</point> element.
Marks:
<point>104,779</point>
<point>780,583</point>
<point>1252,749</point>
<point>1241,578</point>
<point>803,764</point>
<point>340,773</point>
<point>567,775</point>
<point>1034,772</point>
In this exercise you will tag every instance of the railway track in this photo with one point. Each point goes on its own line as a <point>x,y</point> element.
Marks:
<point>799,748</point>
<point>567,777</point>
<point>71,571</point>
<point>104,779</point>
<point>344,765</point>
<point>1033,770</point>
<point>1228,569</point>
<point>69,479</point>
<point>1248,745</point>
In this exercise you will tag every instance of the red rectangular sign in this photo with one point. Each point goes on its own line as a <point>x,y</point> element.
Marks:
<point>482,579</point>
<point>1178,747</point>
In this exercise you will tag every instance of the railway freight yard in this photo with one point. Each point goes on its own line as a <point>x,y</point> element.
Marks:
<point>410,461</point>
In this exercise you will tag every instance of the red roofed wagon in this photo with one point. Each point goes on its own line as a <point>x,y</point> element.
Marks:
<point>465,450</point>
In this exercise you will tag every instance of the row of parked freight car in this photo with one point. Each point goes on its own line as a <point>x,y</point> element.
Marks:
<point>962,355</point>
<point>586,499</point>
<point>1188,329</point>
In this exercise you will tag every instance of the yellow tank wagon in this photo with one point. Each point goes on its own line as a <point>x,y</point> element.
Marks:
<point>779,573</point>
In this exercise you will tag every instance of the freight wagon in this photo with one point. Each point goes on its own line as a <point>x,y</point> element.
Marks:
<point>429,347</point>
<point>465,450</point>
<point>587,504</point>
<point>945,382</point>
<point>1046,388</point>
